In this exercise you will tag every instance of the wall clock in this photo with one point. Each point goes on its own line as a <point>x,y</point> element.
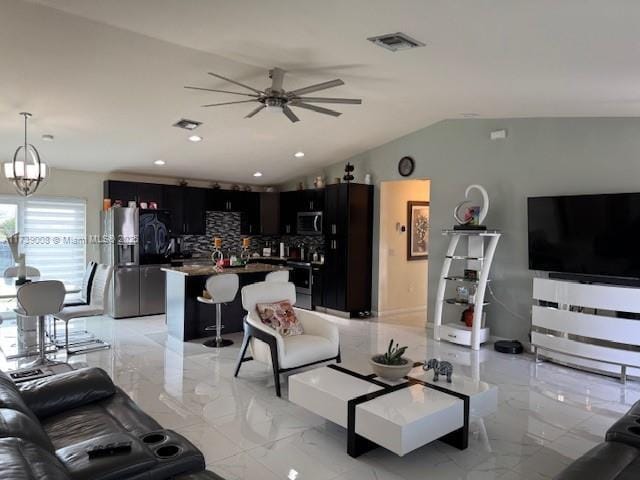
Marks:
<point>406,166</point>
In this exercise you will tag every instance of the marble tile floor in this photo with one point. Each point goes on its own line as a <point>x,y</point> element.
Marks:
<point>547,416</point>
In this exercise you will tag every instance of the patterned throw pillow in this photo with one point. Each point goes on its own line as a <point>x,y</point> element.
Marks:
<point>281,317</point>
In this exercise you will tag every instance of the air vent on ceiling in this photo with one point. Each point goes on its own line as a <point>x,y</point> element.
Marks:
<point>187,124</point>
<point>396,41</point>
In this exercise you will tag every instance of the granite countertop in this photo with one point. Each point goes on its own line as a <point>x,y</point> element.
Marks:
<point>209,269</point>
<point>288,259</point>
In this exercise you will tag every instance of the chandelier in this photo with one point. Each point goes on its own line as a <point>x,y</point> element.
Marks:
<point>26,171</point>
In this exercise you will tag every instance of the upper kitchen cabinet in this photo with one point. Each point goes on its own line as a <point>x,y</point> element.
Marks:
<point>311,200</point>
<point>133,191</point>
<point>288,212</point>
<point>269,213</point>
<point>195,210</point>
<point>187,206</point>
<point>250,213</point>
<point>172,201</point>
<point>227,200</point>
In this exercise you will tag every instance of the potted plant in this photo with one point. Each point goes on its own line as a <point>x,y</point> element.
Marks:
<point>391,365</point>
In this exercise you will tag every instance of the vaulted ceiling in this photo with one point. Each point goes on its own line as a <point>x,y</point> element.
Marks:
<point>106,77</point>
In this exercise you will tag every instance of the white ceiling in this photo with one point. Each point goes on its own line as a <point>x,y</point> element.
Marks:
<point>106,76</point>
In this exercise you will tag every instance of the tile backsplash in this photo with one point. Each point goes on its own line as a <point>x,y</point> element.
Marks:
<point>226,225</point>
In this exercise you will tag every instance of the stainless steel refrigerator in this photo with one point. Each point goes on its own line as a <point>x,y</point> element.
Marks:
<point>135,242</point>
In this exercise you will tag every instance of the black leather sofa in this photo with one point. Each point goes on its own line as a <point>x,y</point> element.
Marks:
<point>617,458</point>
<point>47,426</point>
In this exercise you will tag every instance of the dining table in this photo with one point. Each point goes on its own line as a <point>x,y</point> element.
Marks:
<point>9,289</point>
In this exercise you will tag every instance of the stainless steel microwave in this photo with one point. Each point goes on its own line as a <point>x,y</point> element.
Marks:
<point>309,223</point>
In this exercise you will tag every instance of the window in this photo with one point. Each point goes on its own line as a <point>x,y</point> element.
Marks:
<point>8,226</point>
<point>52,235</point>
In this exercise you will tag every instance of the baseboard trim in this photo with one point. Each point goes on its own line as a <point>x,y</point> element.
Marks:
<point>400,311</point>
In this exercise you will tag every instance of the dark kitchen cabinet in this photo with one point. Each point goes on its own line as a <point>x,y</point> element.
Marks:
<point>187,206</point>
<point>172,200</point>
<point>288,212</point>
<point>124,191</point>
<point>149,192</point>
<point>269,213</point>
<point>227,200</point>
<point>348,217</point>
<point>249,213</point>
<point>316,286</point>
<point>310,200</point>
<point>195,210</point>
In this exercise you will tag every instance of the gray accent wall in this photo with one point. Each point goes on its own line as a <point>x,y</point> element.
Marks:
<point>540,156</point>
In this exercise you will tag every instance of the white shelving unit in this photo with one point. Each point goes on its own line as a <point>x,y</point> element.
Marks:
<point>481,246</point>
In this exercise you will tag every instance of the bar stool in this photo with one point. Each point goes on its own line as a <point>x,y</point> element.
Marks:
<point>222,289</point>
<point>39,299</point>
<point>277,276</point>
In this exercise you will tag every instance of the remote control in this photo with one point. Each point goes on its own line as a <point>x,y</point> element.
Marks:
<point>109,449</point>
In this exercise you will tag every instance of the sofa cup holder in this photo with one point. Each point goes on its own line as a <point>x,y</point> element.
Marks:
<point>635,429</point>
<point>153,438</point>
<point>166,452</point>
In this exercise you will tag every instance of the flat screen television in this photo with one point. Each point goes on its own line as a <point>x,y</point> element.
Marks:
<point>586,234</point>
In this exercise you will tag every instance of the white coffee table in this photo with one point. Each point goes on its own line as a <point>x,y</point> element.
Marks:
<point>398,416</point>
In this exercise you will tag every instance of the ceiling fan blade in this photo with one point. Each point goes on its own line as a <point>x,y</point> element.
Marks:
<point>315,108</point>
<point>277,75</point>
<point>236,83</point>
<point>253,112</point>
<point>227,103</point>
<point>222,91</point>
<point>289,113</point>
<point>351,101</point>
<point>316,87</point>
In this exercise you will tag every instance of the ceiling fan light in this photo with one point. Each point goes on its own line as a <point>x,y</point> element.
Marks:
<point>274,108</point>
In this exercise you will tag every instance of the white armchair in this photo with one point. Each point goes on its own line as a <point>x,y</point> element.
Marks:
<point>319,343</point>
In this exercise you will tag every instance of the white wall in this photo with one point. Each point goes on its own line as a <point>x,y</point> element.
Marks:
<point>539,157</point>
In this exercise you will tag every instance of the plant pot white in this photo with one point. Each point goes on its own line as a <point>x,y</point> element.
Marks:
<point>391,372</point>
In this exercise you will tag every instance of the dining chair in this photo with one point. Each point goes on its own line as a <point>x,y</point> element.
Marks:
<point>40,299</point>
<point>13,272</point>
<point>85,289</point>
<point>27,327</point>
<point>96,306</point>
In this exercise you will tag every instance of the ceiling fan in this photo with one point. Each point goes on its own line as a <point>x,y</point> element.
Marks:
<point>275,98</point>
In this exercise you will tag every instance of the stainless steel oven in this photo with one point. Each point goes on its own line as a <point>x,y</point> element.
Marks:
<point>309,223</point>
<point>301,276</point>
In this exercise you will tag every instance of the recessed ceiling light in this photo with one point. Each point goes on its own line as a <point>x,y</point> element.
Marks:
<point>257,174</point>
<point>298,154</point>
<point>159,162</point>
<point>469,115</point>
<point>47,137</point>
<point>195,138</point>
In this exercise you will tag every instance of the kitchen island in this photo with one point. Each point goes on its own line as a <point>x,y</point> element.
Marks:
<point>187,319</point>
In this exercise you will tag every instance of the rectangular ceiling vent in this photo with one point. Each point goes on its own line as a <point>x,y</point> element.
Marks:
<point>187,124</point>
<point>396,41</point>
